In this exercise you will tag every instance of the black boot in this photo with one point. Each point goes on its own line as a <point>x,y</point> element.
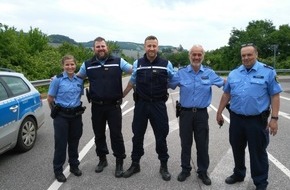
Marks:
<point>119,167</point>
<point>134,168</point>
<point>166,176</point>
<point>102,164</point>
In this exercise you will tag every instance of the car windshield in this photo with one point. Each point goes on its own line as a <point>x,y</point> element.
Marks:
<point>16,85</point>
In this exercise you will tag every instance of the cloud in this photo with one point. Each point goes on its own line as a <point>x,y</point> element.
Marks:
<point>174,22</point>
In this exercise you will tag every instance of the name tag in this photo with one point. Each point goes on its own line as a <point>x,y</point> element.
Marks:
<point>258,77</point>
<point>204,77</point>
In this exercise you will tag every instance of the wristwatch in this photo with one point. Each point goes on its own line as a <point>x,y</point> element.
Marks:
<point>275,118</point>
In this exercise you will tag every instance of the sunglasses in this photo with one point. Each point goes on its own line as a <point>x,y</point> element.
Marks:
<point>248,44</point>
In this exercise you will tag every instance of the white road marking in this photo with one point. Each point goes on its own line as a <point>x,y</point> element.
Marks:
<point>278,164</point>
<point>174,126</point>
<point>56,185</point>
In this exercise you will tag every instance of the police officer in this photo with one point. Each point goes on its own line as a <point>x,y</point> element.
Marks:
<point>252,89</point>
<point>64,96</point>
<point>195,82</point>
<point>150,75</point>
<point>105,92</point>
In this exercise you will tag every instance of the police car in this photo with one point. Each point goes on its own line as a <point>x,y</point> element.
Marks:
<point>21,112</point>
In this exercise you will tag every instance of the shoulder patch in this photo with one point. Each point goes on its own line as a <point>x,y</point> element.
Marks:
<point>269,67</point>
<point>276,79</point>
<point>59,76</point>
<point>79,77</point>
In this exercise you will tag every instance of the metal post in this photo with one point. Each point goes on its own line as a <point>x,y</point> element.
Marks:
<point>275,48</point>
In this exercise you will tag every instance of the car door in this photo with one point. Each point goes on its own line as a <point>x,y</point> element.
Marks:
<point>8,118</point>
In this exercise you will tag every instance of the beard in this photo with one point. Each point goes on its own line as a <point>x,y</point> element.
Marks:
<point>102,55</point>
<point>196,64</point>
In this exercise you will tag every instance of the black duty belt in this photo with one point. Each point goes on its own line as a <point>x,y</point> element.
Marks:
<point>249,116</point>
<point>107,102</point>
<point>151,99</point>
<point>193,109</point>
<point>70,110</point>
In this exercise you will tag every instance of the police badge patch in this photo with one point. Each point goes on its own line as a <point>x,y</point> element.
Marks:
<point>276,79</point>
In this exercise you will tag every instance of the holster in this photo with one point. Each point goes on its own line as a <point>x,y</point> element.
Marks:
<point>265,115</point>
<point>88,95</point>
<point>54,110</point>
<point>178,108</point>
<point>135,96</point>
<point>228,107</point>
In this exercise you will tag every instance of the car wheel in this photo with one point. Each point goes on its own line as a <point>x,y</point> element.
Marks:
<point>27,135</point>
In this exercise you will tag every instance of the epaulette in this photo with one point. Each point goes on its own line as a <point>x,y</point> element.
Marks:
<point>236,67</point>
<point>79,77</point>
<point>270,67</point>
<point>206,66</point>
<point>59,76</point>
<point>182,67</point>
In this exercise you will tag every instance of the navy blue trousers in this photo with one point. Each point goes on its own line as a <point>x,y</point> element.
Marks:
<point>111,114</point>
<point>156,113</point>
<point>67,133</point>
<point>251,131</point>
<point>194,124</point>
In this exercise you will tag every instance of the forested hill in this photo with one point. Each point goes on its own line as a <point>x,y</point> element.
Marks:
<point>59,39</point>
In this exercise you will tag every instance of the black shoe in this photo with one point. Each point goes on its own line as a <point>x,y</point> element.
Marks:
<point>134,168</point>
<point>233,179</point>
<point>119,170</point>
<point>164,173</point>
<point>76,171</point>
<point>60,177</point>
<point>101,165</point>
<point>204,178</point>
<point>183,175</point>
<point>261,188</point>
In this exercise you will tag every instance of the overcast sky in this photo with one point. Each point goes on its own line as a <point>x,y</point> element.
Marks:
<point>173,22</point>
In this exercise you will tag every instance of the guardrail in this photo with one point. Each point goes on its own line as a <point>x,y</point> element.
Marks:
<point>46,82</point>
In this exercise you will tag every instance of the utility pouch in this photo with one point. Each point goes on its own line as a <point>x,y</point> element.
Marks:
<point>178,108</point>
<point>80,110</point>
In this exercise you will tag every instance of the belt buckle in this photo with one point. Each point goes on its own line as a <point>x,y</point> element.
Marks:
<point>194,109</point>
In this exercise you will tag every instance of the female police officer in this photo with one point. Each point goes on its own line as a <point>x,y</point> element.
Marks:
<point>64,96</point>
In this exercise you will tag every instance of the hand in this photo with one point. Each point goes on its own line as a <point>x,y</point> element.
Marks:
<point>220,120</point>
<point>273,127</point>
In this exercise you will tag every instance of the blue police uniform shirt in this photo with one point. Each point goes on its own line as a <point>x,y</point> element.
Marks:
<point>195,88</point>
<point>66,91</point>
<point>124,65</point>
<point>251,90</point>
<point>170,71</point>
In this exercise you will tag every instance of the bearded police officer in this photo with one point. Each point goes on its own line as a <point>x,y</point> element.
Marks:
<point>195,82</point>
<point>104,72</point>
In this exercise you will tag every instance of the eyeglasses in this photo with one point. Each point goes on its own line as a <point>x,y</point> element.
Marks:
<point>248,44</point>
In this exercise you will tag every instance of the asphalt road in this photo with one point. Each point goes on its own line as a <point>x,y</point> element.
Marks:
<point>33,170</point>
